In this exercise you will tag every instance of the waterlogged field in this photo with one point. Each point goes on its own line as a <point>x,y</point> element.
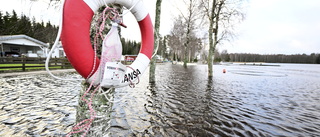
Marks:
<point>280,100</point>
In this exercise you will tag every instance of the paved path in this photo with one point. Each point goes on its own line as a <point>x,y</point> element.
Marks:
<point>35,72</point>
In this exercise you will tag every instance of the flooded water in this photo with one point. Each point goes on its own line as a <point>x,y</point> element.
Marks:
<point>245,101</point>
<point>37,105</point>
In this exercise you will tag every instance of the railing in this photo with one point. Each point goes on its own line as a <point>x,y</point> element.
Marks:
<point>9,64</point>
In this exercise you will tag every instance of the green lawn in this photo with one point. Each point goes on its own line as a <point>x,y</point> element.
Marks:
<point>14,65</point>
<point>27,68</point>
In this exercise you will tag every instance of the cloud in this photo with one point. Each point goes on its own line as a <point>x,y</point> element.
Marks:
<point>271,26</point>
<point>275,27</point>
<point>39,9</point>
<point>167,13</point>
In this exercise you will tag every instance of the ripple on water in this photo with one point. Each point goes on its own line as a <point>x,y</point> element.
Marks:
<point>35,106</point>
<point>245,101</point>
<point>261,101</point>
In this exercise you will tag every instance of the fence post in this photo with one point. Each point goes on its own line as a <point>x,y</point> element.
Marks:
<point>40,60</point>
<point>24,63</point>
<point>62,62</point>
<point>55,60</point>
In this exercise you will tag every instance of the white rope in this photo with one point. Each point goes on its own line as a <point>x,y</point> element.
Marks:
<point>129,10</point>
<point>55,46</point>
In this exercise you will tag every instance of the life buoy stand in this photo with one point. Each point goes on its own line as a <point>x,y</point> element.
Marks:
<point>75,37</point>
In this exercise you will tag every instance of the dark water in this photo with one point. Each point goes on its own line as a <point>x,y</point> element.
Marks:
<point>37,105</point>
<point>246,101</point>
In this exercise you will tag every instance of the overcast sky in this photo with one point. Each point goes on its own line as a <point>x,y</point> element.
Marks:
<point>279,26</point>
<point>270,27</point>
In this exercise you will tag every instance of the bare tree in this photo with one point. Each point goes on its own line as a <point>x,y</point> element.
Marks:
<point>175,40</point>
<point>194,48</point>
<point>221,16</point>
<point>190,16</point>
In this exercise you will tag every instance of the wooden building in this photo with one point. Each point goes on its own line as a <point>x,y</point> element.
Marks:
<point>18,45</point>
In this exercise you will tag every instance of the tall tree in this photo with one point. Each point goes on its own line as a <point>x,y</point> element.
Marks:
<point>176,38</point>
<point>1,23</point>
<point>6,24</point>
<point>24,25</point>
<point>220,13</point>
<point>12,22</point>
<point>156,42</point>
<point>190,17</point>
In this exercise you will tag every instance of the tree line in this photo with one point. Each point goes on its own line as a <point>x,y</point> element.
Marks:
<point>130,47</point>
<point>313,58</point>
<point>12,24</point>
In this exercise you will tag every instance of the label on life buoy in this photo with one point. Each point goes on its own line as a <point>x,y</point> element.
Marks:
<point>131,76</point>
<point>113,74</point>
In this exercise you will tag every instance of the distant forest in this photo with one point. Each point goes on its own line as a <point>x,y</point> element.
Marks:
<point>12,24</point>
<point>270,58</point>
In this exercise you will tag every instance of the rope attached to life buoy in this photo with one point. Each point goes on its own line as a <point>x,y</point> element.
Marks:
<point>75,37</point>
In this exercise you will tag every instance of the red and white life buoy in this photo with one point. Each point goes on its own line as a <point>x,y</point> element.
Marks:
<point>75,36</point>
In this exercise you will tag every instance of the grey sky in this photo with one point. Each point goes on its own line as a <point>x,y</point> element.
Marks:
<point>271,26</point>
<point>279,26</point>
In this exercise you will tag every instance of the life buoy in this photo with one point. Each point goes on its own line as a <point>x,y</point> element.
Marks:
<point>75,36</point>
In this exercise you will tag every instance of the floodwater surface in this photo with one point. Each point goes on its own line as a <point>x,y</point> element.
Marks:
<point>37,105</point>
<point>247,100</point>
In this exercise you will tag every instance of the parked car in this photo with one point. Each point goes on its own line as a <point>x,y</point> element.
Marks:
<point>32,55</point>
<point>10,54</point>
